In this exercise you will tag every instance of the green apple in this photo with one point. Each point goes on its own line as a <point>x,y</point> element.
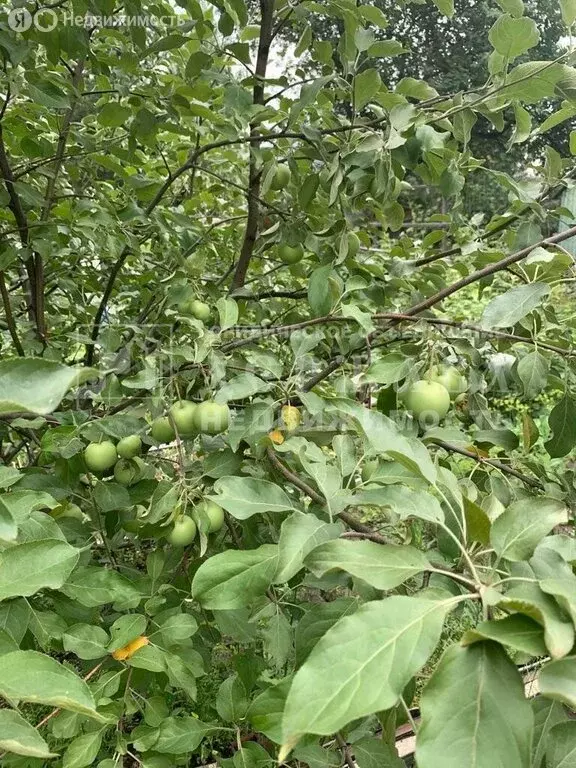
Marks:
<point>127,472</point>
<point>291,254</point>
<point>100,456</point>
<point>211,418</point>
<point>199,310</point>
<point>428,400</point>
<point>214,512</point>
<point>183,532</point>
<point>461,409</point>
<point>451,378</point>
<point>281,177</point>
<point>182,414</point>
<point>162,430</point>
<point>129,447</point>
<point>353,244</point>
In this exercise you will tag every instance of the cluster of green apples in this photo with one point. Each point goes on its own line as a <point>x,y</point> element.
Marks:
<point>185,526</point>
<point>189,419</point>
<point>124,457</point>
<point>292,254</point>
<point>433,395</point>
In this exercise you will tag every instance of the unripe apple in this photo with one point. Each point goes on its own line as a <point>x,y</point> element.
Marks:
<point>211,418</point>
<point>182,414</point>
<point>129,447</point>
<point>291,254</point>
<point>183,532</point>
<point>429,401</point>
<point>127,472</point>
<point>353,244</point>
<point>214,512</point>
<point>451,378</point>
<point>100,456</point>
<point>162,430</point>
<point>281,177</point>
<point>199,310</point>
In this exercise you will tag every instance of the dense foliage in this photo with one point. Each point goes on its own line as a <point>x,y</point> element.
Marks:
<point>278,478</point>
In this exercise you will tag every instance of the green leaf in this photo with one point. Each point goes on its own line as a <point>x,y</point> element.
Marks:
<point>320,295</point>
<point>300,534</point>
<point>304,42</point>
<point>362,664</point>
<point>568,8</point>
<point>18,736</point>
<point>561,747</point>
<point>547,714</point>
<point>8,527</point>
<point>385,48</point>
<point>113,115</point>
<point>317,621</point>
<point>243,497</point>
<point>277,639</point>
<point>111,496</point>
<point>445,6</point>
<point>510,307</point>
<point>513,7</point>
<point>562,421</point>
<point>383,436</point>
<point>384,566</point>
<point>27,568</point>
<point>46,384</point>
<point>479,692</point>
<point>530,600</point>
<point>388,369</point>
<point>227,311</point>
<point>176,628</point>
<point>148,657</point>
<point>241,386</point>
<point>86,641</point>
<point>512,37</point>
<point>564,545</point>
<point>404,502</point>
<point>374,15</point>
<point>266,710</point>
<point>308,190</point>
<point>232,699</point>
<point>83,750</point>
<point>93,586</point>
<point>365,87</point>
<point>125,629</point>
<point>519,529</point>
<point>36,678</point>
<point>177,735</point>
<point>533,373</point>
<point>375,753</point>
<point>232,579</point>
<point>557,680</point>
<point>518,632</point>
<point>14,618</point>
<point>523,125</point>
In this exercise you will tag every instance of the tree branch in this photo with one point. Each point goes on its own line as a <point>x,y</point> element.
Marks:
<point>9,316</point>
<point>346,517</point>
<point>490,462</point>
<point>255,173</point>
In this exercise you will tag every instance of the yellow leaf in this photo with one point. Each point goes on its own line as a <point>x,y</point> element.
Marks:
<point>276,436</point>
<point>129,650</point>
